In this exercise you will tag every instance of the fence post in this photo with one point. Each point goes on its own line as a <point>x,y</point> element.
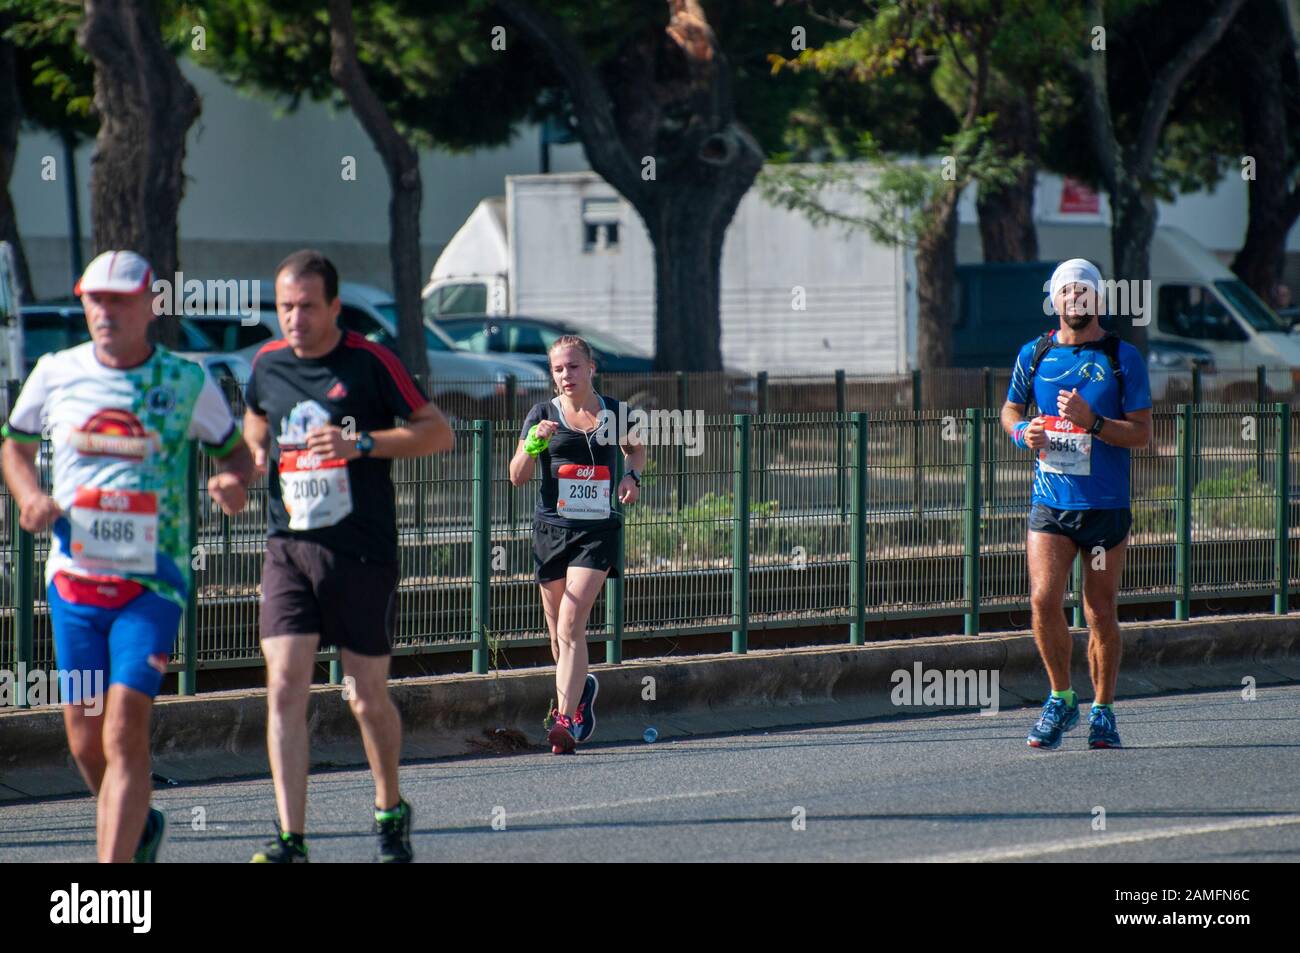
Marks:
<point>1261,398</point>
<point>1282,599</point>
<point>918,483</point>
<point>24,574</point>
<point>682,397</point>
<point>841,405</point>
<point>762,440</point>
<point>25,601</point>
<point>512,390</point>
<point>1183,543</point>
<point>1196,422</point>
<point>975,420</point>
<point>188,677</point>
<point>482,550</point>
<point>740,537</point>
<point>615,608</point>
<point>858,541</point>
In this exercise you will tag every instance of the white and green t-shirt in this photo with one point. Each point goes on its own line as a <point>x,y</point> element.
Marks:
<point>119,439</point>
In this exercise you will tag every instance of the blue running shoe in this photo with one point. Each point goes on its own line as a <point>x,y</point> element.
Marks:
<point>1102,732</point>
<point>1057,718</point>
<point>584,719</point>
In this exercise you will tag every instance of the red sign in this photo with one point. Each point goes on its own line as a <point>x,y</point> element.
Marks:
<point>1077,198</point>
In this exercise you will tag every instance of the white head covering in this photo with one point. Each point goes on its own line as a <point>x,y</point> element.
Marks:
<point>1076,270</point>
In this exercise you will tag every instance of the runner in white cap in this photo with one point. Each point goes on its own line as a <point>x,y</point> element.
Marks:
<point>119,413</point>
<point>1095,389</point>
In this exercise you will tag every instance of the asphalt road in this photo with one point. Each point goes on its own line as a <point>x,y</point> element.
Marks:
<point>1204,777</point>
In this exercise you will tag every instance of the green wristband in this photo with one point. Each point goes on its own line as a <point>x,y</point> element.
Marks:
<point>535,444</point>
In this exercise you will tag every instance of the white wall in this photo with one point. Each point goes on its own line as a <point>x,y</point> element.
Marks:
<point>259,184</point>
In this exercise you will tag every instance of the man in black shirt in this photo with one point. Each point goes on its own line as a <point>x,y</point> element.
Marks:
<point>321,411</point>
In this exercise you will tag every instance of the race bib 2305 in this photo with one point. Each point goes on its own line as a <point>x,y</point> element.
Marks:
<point>584,492</point>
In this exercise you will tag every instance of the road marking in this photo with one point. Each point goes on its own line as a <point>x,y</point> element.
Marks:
<point>1111,840</point>
<point>629,802</point>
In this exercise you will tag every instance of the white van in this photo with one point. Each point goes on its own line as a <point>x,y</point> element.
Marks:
<point>1195,301</point>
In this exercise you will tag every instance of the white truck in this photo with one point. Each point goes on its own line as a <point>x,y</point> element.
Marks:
<point>803,298</point>
<point>794,298</point>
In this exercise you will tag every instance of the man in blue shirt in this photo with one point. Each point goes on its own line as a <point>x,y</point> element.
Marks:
<point>1095,401</point>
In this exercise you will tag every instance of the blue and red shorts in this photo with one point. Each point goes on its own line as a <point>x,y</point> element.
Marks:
<point>112,626</point>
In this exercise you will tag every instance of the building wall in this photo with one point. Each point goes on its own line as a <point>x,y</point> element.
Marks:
<point>260,183</point>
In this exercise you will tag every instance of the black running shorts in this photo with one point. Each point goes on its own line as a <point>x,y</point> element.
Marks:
<point>309,588</point>
<point>1087,528</point>
<point>555,549</point>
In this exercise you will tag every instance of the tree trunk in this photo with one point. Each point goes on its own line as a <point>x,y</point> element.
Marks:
<point>936,278</point>
<point>145,108</point>
<point>10,117</point>
<point>406,192</point>
<point>668,107</point>
<point>1133,225</point>
<point>1127,170</point>
<point>1006,216</point>
<point>683,228</point>
<point>1273,206</point>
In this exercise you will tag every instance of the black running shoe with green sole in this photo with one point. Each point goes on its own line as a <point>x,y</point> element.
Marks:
<point>282,850</point>
<point>151,838</point>
<point>395,837</point>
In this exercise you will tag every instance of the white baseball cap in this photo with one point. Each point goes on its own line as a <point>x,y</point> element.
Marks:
<point>121,272</point>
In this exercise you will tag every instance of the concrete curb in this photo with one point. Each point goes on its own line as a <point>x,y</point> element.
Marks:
<point>222,735</point>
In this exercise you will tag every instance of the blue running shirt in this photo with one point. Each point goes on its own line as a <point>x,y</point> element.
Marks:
<point>1063,368</point>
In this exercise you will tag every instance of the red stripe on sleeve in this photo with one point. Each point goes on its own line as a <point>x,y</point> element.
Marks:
<point>405,385</point>
<point>269,346</point>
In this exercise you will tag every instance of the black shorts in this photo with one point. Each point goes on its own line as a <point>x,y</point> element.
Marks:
<point>309,588</point>
<point>555,549</point>
<point>1087,528</point>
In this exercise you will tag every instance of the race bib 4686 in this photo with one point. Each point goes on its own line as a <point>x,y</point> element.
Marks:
<point>114,530</point>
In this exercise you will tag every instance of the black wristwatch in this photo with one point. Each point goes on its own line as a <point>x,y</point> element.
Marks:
<point>365,443</point>
<point>636,477</point>
<point>1096,425</point>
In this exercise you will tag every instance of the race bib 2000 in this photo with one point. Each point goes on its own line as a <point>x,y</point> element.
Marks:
<point>1068,450</point>
<point>315,492</point>
<point>584,492</point>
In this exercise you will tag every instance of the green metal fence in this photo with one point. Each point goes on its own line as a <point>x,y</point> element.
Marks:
<point>767,521</point>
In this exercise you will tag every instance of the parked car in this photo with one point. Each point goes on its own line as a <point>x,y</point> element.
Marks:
<point>463,383</point>
<point>55,325</point>
<point>1169,367</point>
<point>531,339</point>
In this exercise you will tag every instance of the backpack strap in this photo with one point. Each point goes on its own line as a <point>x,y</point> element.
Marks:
<point>1110,344</point>
<point>1041,347</point>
